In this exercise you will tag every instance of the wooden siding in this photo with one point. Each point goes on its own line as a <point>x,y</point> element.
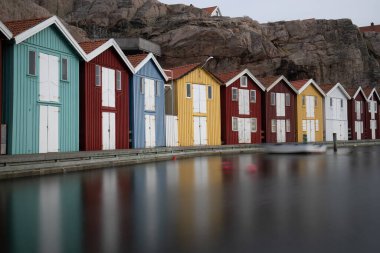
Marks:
<point>318,113</point>
<point>91,103</point>
<point>137,110</point>
<point>184,108</point>
<point>21,113</point>
<point>270,113</point>
<point>352,116</point>
<point>230,109</point>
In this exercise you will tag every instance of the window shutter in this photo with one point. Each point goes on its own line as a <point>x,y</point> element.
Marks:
<point>158,91</point>
<point>97,75</point>
<point>254,125</point>
<point>273,98</point>
<point>274,125</point>
<point>252,96</point>
<point>118,80</point>
<point>288,125</point>
<point>142,85</point>
<point>287,99</point>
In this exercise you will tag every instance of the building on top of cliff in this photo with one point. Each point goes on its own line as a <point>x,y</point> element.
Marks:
<point>213,11</point>
<point>132,46</point>
<point>371,28</point>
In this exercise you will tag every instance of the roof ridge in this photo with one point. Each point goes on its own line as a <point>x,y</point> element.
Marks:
<point>187,65</point>
<point>30,19</point>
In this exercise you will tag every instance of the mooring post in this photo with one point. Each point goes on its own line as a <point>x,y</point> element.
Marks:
<point>334,139</point>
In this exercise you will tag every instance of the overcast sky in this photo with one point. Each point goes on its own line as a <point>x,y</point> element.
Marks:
<point>361,12</point>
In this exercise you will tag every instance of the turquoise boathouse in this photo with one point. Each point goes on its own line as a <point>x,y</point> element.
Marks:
<point>147,102</point>
<point>41,87</point>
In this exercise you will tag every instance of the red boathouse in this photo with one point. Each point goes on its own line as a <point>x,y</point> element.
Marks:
<point>280,110</point>
<point>357,114</point>
<point>104,96</point>
<point>241,107</point>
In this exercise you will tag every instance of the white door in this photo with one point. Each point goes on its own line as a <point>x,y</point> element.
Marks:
<point>49,129</point>
<point>310,104</point>
<point>200,131</point>
<point>171,131</point>
<point>149,95</point>
<point>358,109</point>
<point>310,130</point>
<point>281,131</point>
<point>49,78</point>
<point>150,131</point>
<point>108,87</point>
<point>358,129</point>
<point>373,124</point>
<point>247,130</point>
<point>241,130</point>
<point>280,104</point>
<point>243,102</point>
<point>108,131</point>
<point>199,98</point>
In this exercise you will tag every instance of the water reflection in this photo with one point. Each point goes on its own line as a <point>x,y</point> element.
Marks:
<point>206,204</point>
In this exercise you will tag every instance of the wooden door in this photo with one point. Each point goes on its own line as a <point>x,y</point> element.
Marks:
<point>310,106</point>
<point>108,131</point>
<point>149,95</point>
<point>49,129</point>
<point>373,126</point>
<point>243,102</point>
<point>281,131</point>
<point>200,131</point>
<point>49,78</point>
<point>358,129</point>
<point>108,87</point>
<point>199,98</point>
<point>150,131</point>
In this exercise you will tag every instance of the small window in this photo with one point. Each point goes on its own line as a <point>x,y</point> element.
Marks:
<point>118,80</point>
<point>158,90</point>
<point>142,85</point>
<point>234,124</point>
<point>287,122</point>
<point>375,106</point>
<point>234,94</point>
<point>65,69</point>
<point>32,63</point>
<point>331,102</point>
<point>98,77</point>
<point>272,98</point>
<point>209,91</point>
<point>317,125</point>
<point>274,125</point>
<point>361,106</point>
<point>253,125</point>
<point>287,99</point>
<point>316,101</point>
<point>188,90</point>
<point>304,125</point>
<point>341,103</point>
<point>303,101</point>
<point>252,96</point>
<point>243,81</point>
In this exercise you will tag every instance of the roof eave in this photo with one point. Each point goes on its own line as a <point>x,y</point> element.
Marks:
<point>8,34</point>
<point>285,80</point>
<point>149,57</point>
<point>246,71</point>
<point>340,86</point>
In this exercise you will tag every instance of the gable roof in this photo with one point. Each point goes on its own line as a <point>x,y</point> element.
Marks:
<point>371,28</point>
<point>270,81</point>
<point>231,77</point>
<point>370,91</point>
<point>353,92</point>
<point>301,85</point>
<point>327,88</point>
<point>210,10</point>
<point>24,29</point>
<point>95,48</point>
<point>4,30</point>
<point>181,71</point>
<point>138,61</point>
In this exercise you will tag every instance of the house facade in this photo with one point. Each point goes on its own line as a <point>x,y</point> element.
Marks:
<point>147,102</point>
<point>41,87</point>
<point>310,116</point>
<point>279,119</point>
<point>196,103</point>
<point>241,107</point>
<point>104,96</point>
<point>336,112</point>
<point>357,116</point>
<point>5,35</point>
<point>372,120</point>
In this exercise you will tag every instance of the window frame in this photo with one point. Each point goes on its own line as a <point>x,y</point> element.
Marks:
<point>142,85</point>
<point>235,127</point>
<point>303,100</point>
<point>331,102</point>
<point>35,62</point>
<point>209,92</point>
<point>253,125</point>
<point>157,87</point>
<point>67,69</point>
<point>273,126</point>
<point>118,80</point>
<point>250,96</point>
<point>246,81</point>
<point>232,94</point>
<point>287,125</point>
<point>188,90</point>
<point>98,83</point>
<point>273,98</point>
<point>287,99</point>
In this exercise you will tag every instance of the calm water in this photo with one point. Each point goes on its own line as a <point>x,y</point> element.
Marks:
<point>245,203</point>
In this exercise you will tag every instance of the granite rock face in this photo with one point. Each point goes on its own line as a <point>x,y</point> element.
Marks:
<point>329,51</point>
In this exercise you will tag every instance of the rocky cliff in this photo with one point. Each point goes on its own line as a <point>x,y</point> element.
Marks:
<point>326,50</point>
